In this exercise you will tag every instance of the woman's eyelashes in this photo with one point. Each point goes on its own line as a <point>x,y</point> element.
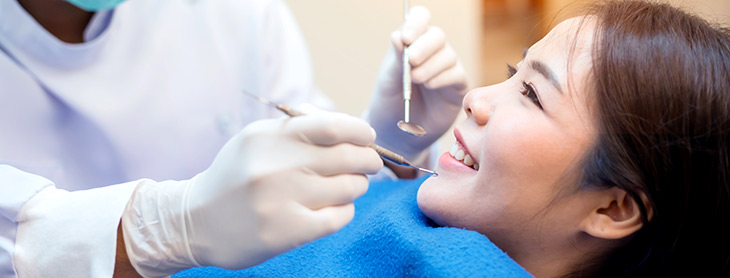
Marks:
<point>511,71</point>
<point>527,89</point>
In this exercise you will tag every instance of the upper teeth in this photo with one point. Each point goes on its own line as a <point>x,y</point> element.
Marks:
<point>458,153</point>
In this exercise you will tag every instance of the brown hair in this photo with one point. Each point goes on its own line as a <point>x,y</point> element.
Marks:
<point>661,82</point>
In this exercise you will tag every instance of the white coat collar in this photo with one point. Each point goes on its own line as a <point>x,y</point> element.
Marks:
<point>21,35</point>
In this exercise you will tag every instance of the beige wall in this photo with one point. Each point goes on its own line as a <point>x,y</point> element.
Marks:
<point>714,10</point>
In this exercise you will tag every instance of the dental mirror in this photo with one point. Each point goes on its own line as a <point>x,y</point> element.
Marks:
<point>405,125</point>
<point>411,128</point>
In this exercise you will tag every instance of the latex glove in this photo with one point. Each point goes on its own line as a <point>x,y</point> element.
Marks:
<point>276,185</point>
<point>439,84</point>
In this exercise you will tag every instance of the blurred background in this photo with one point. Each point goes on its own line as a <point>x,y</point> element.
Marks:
<point>348,39</point>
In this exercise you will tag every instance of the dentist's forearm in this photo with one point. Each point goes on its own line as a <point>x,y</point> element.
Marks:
<point>122,266</point>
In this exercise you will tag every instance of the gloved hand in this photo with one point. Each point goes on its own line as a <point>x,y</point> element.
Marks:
<point>274,186</point>
<point>439,84</point>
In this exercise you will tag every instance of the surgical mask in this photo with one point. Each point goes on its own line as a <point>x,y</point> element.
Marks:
<point>95,5</point>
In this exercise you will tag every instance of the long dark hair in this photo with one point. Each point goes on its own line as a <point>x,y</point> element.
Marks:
<point>662,93</point>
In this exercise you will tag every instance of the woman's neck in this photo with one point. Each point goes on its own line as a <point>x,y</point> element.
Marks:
<point>560,260</point>
<point>62,19</point>
<point>550,266</point>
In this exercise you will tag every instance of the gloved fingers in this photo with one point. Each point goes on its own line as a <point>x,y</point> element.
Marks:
<point>426,45</point>
<point>331,219</point>
<point>444,59</point>
<point>345,159</point>
<point>397,39</point>
<point>417,23</point>
<point>326,129</point>
<point>331,191</point>
<point>454,77</point>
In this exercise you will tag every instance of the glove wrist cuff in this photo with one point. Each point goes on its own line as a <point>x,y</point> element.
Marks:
<point>154,227</point>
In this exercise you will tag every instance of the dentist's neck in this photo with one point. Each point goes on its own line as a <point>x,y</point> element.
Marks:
<point>62,19</point>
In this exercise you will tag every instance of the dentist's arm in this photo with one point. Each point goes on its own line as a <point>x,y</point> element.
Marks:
<point>276,185</point>
<point>122,266</point>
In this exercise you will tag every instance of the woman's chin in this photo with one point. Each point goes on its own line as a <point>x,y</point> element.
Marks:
<point>432,202</point>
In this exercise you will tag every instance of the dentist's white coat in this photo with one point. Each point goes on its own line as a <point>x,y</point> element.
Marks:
<point>153,93</point>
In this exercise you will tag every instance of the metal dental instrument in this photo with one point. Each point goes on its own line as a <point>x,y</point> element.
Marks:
<point>398,159</point>
<point>405,124</point>
<point>383,152</point>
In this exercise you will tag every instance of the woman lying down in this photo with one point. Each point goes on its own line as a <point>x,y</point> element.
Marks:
<point>605,153</point>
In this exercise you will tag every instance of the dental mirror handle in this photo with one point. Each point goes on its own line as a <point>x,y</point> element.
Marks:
<point>406,73</point>
<point>406,86</point>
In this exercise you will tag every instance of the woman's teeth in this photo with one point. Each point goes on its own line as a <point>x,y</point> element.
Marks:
<point>458,153</point>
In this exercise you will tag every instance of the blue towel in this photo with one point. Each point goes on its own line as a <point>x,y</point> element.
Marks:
<point>389,237</point>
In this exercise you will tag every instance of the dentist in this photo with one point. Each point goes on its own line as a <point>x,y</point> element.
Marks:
<point>128,148</point>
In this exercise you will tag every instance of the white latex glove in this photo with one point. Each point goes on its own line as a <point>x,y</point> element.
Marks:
<point>439,84</point>
<point>276,185</point>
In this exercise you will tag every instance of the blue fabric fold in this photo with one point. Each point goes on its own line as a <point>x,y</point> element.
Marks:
<point>389,237</point>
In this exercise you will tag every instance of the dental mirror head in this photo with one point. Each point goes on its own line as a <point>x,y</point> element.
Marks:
<point>411,128</point>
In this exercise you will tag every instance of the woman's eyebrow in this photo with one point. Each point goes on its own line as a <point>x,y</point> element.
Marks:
<point>543,69</point>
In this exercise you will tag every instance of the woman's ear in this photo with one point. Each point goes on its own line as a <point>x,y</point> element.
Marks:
<point>616,215</point>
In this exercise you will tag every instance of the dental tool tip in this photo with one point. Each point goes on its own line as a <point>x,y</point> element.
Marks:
<point>422,169</point>
<point>428,171</point>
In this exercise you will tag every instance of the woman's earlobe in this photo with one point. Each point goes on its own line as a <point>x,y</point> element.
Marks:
<point>616,216</point>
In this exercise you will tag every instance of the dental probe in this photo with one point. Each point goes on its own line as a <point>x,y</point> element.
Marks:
<point>383,152</point>
<point>398,159</point>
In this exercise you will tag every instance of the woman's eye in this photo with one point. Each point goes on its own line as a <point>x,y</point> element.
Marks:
<point>529,92</point>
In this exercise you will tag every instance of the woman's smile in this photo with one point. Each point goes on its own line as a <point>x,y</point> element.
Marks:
<point>459,158</point>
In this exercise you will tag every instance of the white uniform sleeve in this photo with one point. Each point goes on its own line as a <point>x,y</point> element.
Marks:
<point>287,67</point>
<point>49,232</point>
<point>17,188</point>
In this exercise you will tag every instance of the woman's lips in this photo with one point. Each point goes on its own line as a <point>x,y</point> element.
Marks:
<point>461,153</point>
<point>449,163</point>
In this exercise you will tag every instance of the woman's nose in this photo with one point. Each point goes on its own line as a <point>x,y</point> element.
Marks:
<point>477,105</point>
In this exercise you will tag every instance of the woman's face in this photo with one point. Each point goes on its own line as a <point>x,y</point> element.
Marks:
<point>526,135</point>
